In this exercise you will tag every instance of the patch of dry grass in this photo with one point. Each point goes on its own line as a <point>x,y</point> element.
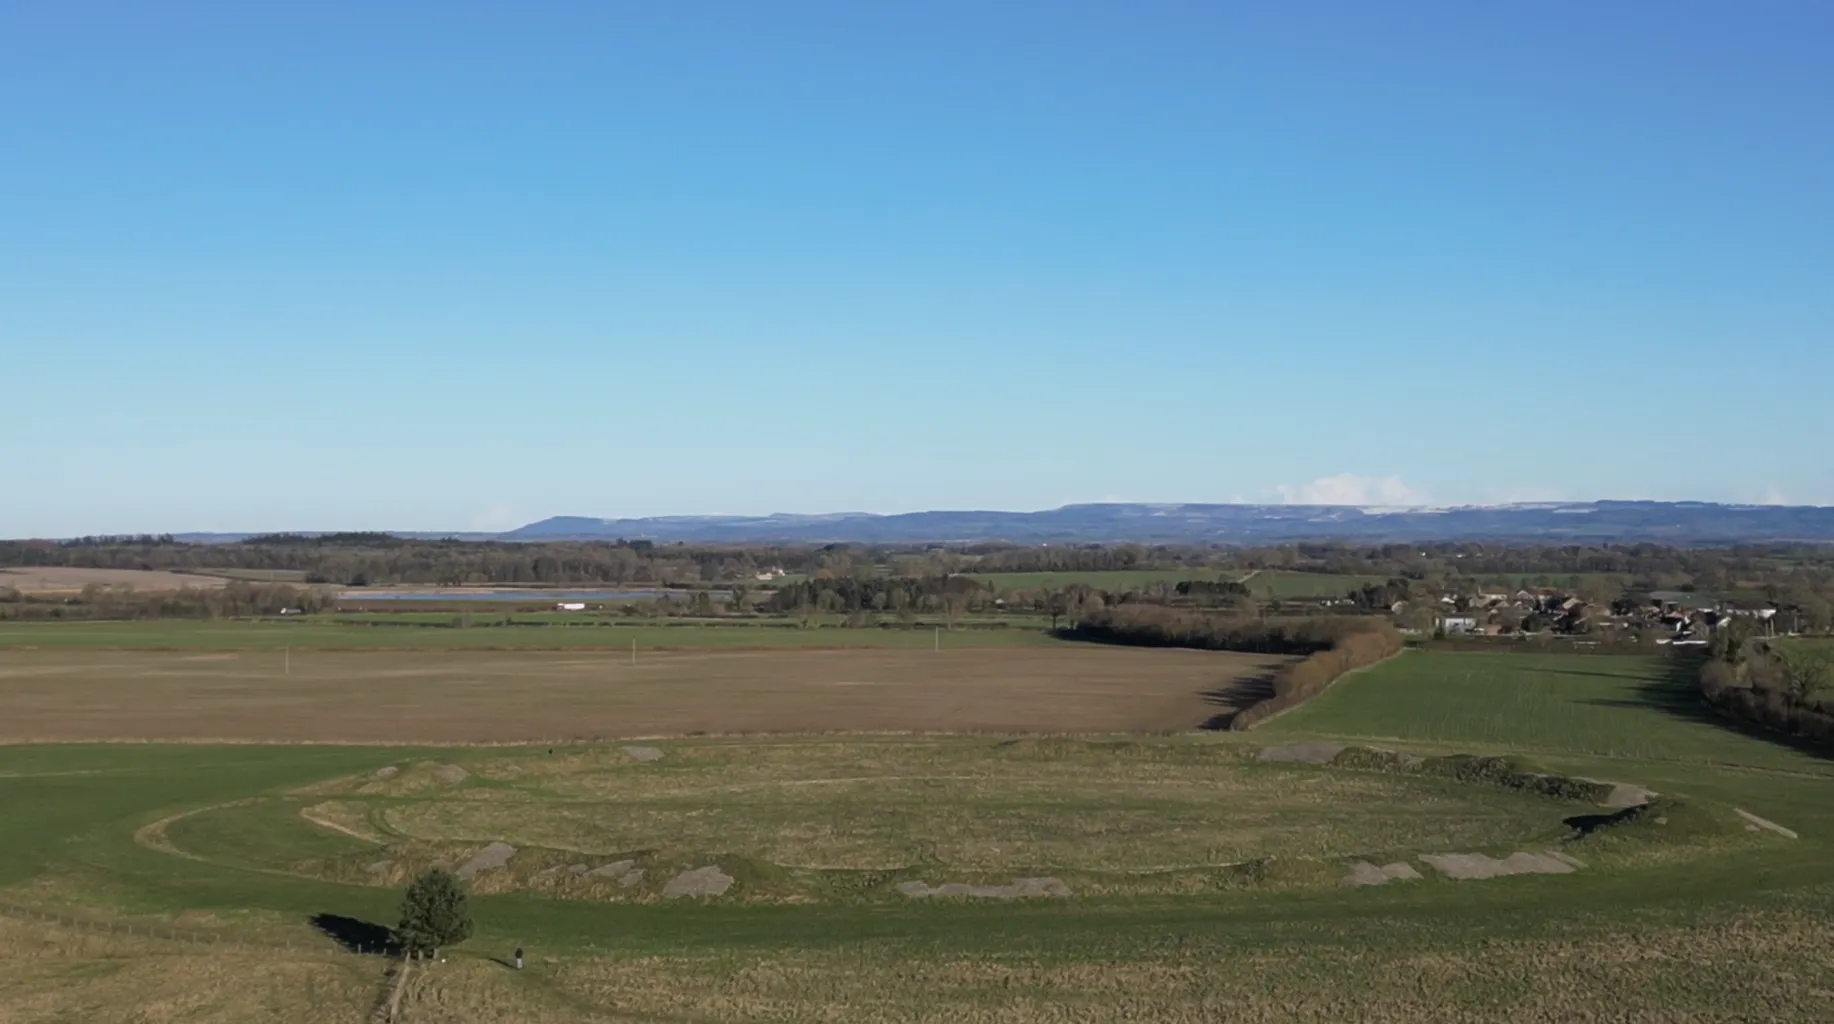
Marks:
<point>981,824</point>
<point>1111,816</point>
<point>1770,964</point>
<point>43,580</point>
<point>50,973</point>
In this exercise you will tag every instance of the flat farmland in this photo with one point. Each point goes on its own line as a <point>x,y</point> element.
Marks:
<point>1578,703</point>
<point>405,697</point>
<point>1174,879</point>
<point>441,631</point>
<point>62,580</point>
<point>1277,584</point>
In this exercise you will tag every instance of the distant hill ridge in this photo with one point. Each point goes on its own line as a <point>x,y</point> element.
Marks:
<point>1663,522</point>
<point>1685,522</point>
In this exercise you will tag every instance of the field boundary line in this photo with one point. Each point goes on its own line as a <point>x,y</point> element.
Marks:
<point>153,836</point>
<point>335,827</point>
<point>696,736</point>
<point>1276,716</point>
<point>388,1005</point>
<point>1355,739</point>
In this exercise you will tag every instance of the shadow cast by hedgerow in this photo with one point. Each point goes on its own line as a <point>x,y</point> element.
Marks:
<point>357,936</point>
<point>1677,693</point>
<point>1235,698</point>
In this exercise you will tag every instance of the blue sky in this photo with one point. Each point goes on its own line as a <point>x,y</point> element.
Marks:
<point>459,265</point>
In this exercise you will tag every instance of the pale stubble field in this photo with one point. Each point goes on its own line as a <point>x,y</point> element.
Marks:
<point>408,697</point>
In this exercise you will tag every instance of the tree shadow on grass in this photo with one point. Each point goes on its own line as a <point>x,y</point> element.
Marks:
<point>357,936</point>
<point>1236,697</point>
<point>1589,675</point>
<point>1677,693</point>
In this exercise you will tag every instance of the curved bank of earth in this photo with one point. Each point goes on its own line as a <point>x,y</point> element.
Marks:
<point>924,819</point>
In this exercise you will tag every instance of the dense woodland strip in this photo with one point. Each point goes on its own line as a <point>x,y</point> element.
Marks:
<point>231,601</point>
<point>1148,626</point>
<point>379,559</point>
<point>1782,685</point>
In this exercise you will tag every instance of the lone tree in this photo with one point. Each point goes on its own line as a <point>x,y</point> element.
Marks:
<point>433,914</point>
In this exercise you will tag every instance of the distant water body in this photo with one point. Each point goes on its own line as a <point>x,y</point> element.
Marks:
<point>506,595</point>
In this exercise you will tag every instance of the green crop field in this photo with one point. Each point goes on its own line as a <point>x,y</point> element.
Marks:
<point>1275,584</point>
<point>1177,878</point>
<point>1113,579</point>
<point>1629,707</point>
<point>1604,715</point>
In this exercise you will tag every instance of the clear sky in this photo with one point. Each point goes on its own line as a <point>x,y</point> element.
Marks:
<point>452,265</point>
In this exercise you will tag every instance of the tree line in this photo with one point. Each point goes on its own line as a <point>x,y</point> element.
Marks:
<point>1784,686</point>
<point>233,600</point>
<point>392,559</point>
<point>379,559</point>
<point>1300,681</point>
<point>1154,626</point>
<point>1332,646</point>
<point>893,594</point>
<point>1799,579</point>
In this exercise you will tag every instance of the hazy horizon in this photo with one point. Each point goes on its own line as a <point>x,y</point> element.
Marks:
<point>1367,506</point>
<point>345,266</point>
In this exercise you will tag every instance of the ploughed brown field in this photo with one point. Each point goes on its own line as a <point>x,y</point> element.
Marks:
<point>503,696</point>
<point>33,579</point>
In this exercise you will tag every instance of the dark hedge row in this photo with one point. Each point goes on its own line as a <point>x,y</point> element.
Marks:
<point>1302,680</point>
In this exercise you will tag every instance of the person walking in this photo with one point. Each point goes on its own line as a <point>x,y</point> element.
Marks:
<point>518,958</point>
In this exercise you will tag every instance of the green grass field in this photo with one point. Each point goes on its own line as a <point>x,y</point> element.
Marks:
<point>1275,584</point>
<point>1116,579</point>
<point>1610,706</point>
<point>1204,880</point>
<point>1281,584</point>
<point>1604,715</point>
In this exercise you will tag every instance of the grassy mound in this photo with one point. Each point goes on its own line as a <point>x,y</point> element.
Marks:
<point>823,820</point>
